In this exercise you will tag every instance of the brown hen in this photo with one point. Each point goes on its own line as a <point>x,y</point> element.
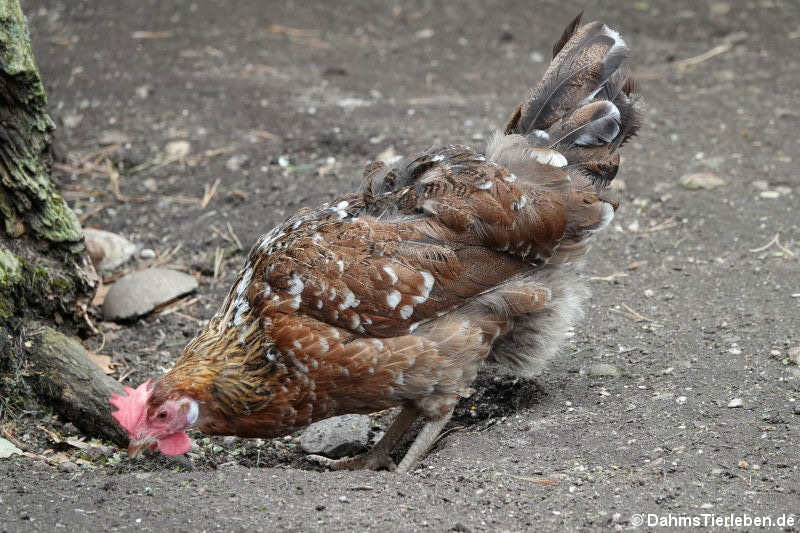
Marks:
<point>394,296</point>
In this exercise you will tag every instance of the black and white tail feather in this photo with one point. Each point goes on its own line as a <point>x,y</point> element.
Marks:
<point>581,112</point>
<point>585,105</point>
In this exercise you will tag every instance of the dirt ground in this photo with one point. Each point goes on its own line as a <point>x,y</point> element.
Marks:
<point>284,102</point>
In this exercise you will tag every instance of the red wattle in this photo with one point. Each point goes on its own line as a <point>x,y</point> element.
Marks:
<point>175,444</point>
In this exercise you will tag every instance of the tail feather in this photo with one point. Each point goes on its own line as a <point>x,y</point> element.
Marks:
<point>585,105</point>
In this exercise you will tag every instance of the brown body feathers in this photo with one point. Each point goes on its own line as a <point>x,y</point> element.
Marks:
<point>395,295</point>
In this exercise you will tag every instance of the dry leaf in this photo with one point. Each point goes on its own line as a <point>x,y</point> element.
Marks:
<point>100,294</point>
<point>103,361</point>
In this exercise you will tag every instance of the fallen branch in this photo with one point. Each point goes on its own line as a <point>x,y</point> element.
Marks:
<point>62,375</point>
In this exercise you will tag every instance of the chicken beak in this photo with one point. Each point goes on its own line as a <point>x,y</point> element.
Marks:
<point>136,446</point>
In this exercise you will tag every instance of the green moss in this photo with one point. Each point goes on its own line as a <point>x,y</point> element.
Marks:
<point>17,54</point>
<point>57,223</point>
<point>63,284</point>
<point>10,269</point>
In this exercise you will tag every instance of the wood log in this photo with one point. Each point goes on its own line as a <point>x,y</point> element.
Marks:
<point>61,374</point>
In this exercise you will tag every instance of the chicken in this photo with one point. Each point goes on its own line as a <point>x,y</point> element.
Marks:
<point>397,294</point>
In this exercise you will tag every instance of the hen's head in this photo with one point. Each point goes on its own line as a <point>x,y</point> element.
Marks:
<point>160,425</point>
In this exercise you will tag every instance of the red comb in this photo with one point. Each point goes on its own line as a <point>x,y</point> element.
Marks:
<point>131,407</point>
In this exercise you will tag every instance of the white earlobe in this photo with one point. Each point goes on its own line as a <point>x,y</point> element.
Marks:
<point>193,413</point>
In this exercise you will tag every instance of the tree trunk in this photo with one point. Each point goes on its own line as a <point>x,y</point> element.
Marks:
<point>45,272</point>
<point>46,276</point>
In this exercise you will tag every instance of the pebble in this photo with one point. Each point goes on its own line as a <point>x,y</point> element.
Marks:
<point>336,437</point>
<point>178,149</point>
<point>680,400</point>
<point>7,449</point>
<point>147,253</point>
<point>769,195</point>
<point>235,162</point>
<point>143,91</point>
<point>98,452</point>
<point>67,466</point>
<point>603,370</point>
<point>139,293</point>
<point>113,137</point>
<point>107,250</point>
<point>736,402</point>
<point>701,180</point>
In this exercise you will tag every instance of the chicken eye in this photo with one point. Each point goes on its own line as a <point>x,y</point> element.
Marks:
<point>162,414</point>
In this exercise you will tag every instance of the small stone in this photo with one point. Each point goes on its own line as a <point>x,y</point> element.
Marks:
<point>107,250</point>
<point>178,149</point>
<point>143,91</point>
<point>603,370</point>
<point>537,57</point>
<point>113,137</point>
<point>797,409</point>
<point>139,293</point>
<point>743,464</point>
<point>284,161</point>
<point>150,184</point>
<point>794,354</point>
<point>147,253</point>
<point>425,33</point>
<point>701,180</point>
<point>99,452</point>
<point>67,466</point>
<point>235,162</point>
<point>736,402</point>
<point>7,449</point>
<point>649,293</point>
<point>343,499</point>
<point>71,120</point>
<point>337,437</point>
<point>680,400</point>
<point>770,195</point>
<point>761,185</point>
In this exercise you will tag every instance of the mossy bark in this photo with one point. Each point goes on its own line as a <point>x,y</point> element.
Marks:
<point>44,270</point>
<point>46,276</point>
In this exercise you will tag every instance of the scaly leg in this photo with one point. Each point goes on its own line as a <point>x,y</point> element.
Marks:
<point>425,439</point>
<point>378,457</point>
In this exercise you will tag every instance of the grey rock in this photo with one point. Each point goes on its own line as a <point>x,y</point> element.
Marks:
<point>107,250</point>
<point>99,452</point>
<point>236,162</point>
<point>67,466</point>
<point>335,437</point>
<point>113,137</point>
<point>701,180</point>
<point>139,293</point>
<point>603,370</point>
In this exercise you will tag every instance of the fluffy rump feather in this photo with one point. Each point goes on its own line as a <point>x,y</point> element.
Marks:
<point>536,338</point>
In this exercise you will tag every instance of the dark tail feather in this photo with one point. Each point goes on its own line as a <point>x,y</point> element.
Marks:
<point>569,31</point>
<point>585,106</point>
